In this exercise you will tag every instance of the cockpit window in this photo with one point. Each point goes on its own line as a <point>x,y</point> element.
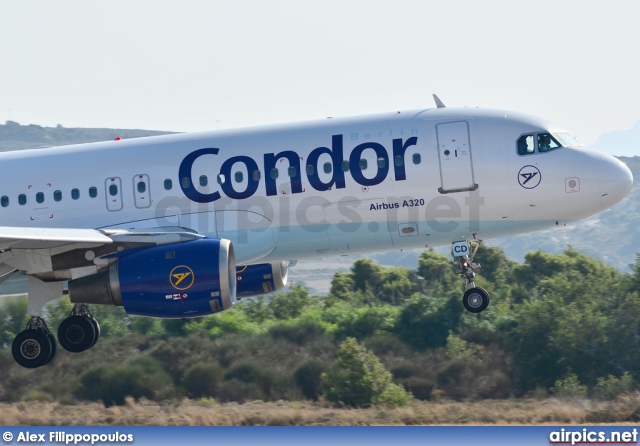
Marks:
<point>567,140</point>
<point>547,142</point>
<point>526,145</point>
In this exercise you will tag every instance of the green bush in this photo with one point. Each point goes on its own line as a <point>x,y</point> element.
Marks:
<point>361,380</point>
<point>569,387</point>
<point>272,384</point>
<point>611,387</point>
<point>415,379</point>
<point>308,377</point>
<point>202,380</point>
<point>298,334</point>
<point>138,378</point>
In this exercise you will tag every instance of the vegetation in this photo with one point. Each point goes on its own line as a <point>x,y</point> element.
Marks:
<point>563,326</point>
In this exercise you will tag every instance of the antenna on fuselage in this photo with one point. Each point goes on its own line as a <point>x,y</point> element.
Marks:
<point>439,103</point>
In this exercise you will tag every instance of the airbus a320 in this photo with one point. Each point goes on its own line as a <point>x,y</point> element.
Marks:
<point>183,225</point>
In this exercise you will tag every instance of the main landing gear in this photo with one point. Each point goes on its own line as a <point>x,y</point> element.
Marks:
<point>475,299</point>
<point>80,331</point>
<point>36,346</point>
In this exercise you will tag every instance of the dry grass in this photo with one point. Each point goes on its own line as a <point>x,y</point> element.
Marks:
<point>209,413</point>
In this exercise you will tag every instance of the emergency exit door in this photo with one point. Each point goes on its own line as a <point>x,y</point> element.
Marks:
<point>454,154</point>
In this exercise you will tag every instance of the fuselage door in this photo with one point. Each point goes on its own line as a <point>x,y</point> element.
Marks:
<point>454,155</point>
<point>141,192</point>
<point>113,192</point>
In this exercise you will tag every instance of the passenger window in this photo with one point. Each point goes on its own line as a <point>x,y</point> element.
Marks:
<point>274,174</point>
<point>40,197</point>
<point>93,192</point>
<point>239,177</point>
<point>292,172</point>
<point>113,190</point>
<point>256,175</point>
<point>526,145</point>
<point>327,167</point>
<point>399,160</point>
<point>221,179</point>
<point>345,166</point>
<point>75,193</point>
<point>381,163</point>
<point>186,183</point>
<point>204,180</point>
<point>310,169</point>
<point>168,184</point>
<point>22,199</point>
<point>363,164</point>
<point>142,187</point>
<point>416,158</point>
<point>547,142</point>
<point>4,201</point>
<point>57,195</point>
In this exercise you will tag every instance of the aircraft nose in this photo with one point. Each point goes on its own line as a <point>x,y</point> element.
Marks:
<point>615,180</point>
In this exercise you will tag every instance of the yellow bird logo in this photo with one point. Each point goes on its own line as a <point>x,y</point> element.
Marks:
<point>181,277</point>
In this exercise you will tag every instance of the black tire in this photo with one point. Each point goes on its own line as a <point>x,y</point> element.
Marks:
<point>475,300</point>
<point>76,334</point>
<point>96,327</point>
<point>31,348</point>
<point>54,346</point>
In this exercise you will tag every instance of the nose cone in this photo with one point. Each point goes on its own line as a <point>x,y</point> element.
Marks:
<point>615,180</point>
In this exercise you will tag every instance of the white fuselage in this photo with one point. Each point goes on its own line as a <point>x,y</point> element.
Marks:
<point>337,186</point>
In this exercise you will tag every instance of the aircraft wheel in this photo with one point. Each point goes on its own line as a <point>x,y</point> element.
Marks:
<point>54,346</point>
<point>76,334</point>
<point>96,327</point>
<point>31,348</point>
<point>475,300</point>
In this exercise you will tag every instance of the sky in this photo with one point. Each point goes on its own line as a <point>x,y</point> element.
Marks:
<point>207,64</point>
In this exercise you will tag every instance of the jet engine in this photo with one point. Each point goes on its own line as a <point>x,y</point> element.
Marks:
<point>177,280</point>
<point>264,278</point>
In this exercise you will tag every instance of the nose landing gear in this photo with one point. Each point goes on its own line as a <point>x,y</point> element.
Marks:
<point>475,299</point>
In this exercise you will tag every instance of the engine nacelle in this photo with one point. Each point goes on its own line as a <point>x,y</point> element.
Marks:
<point>264,278</point>
<point>176,280</point>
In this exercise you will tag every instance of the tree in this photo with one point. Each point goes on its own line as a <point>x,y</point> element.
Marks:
<point>426,322</point>
<point>361,380</point>
<point>290,304</point>
<point>438,272</point>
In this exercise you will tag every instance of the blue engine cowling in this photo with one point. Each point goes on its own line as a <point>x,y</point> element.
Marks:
<point>177,280</point>
<point>264,278</point>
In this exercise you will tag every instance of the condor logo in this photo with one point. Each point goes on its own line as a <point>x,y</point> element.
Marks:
<point>181,277</point>
<point>313,163</point>
<point>529,177</point>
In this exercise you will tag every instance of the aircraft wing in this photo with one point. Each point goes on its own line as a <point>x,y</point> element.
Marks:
<point>42,238</point>
<point>63,253</point>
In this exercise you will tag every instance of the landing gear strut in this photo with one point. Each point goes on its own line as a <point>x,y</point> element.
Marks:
<point>80,331</point>
<point>475,299</point>
<point>35,346</point>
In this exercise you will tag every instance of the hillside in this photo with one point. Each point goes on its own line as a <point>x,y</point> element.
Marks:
<point>14,136</point>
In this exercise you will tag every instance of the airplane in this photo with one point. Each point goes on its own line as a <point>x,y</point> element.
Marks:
<point>184,225</point>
